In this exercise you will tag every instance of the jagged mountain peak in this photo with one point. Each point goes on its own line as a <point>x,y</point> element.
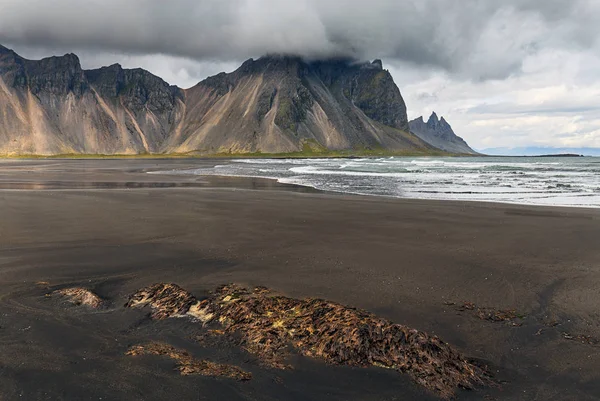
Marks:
<point>438,132</point>
<point>69,60</point>
<point>433,119</point>
<point>444,123</point>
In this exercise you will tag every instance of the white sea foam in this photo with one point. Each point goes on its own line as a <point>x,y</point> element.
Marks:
<point>549,181</point>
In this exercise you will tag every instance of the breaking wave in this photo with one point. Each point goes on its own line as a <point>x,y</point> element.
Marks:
<point>535,181</point>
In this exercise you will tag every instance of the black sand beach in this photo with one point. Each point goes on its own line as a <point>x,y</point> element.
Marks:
<point>108,226</point>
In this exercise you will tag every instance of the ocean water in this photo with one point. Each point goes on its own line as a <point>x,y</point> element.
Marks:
<point>556,181</point>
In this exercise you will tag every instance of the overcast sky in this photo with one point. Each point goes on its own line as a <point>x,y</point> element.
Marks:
<point>503,73</point>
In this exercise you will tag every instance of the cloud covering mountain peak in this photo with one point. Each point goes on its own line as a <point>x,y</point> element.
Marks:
<point>473,37</point>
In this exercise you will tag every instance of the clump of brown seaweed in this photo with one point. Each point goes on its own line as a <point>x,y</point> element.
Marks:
<point>582,338</point>
<point>508,316</point>
<point>268,325</point>
<point>166,300</point>
<point>80,296</point>
<point>188,365</point>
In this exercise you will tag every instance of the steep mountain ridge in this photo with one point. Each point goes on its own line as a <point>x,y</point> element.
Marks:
<point>275,104</point>
<point>52,106</point>
<point>438,133</point>
<point>280,104</point>
<point>153,108</point>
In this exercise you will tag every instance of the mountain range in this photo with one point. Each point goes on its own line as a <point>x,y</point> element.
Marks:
<point>275,104</point>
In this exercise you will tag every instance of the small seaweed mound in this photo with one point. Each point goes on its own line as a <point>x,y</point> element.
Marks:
<point>187,365</point>
<point>269,326</point>
<point>582,338</point>
<point>81,296</point>
<point>166,300</point>
<point>508,316</point>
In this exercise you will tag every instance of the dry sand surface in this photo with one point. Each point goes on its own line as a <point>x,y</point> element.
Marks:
<point>514,288</point>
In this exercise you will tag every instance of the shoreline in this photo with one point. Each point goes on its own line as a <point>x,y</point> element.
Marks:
<point>221,181</point>
<point>225,181</point>
<point>279,181</point>
<point>491,203</point>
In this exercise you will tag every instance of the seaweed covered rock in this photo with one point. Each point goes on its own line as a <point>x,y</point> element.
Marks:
<point>270,326</point>
<point>80,296</point>
<point>188,365</point>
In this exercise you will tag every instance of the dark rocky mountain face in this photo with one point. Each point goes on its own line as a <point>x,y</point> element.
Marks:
<point>11,67</point>
<point>53,106</point>
<point>138,88</point>
<point>283,104</point>
<point>368,86</point>
<point>275,104</point>
<point>55,75</point>
<point>437,132</point>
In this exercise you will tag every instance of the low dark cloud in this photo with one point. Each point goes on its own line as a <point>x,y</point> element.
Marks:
<point>481,39</point>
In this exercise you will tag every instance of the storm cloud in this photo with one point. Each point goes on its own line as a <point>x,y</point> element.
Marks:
<point>484,39</point>
<point>504,73</point>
